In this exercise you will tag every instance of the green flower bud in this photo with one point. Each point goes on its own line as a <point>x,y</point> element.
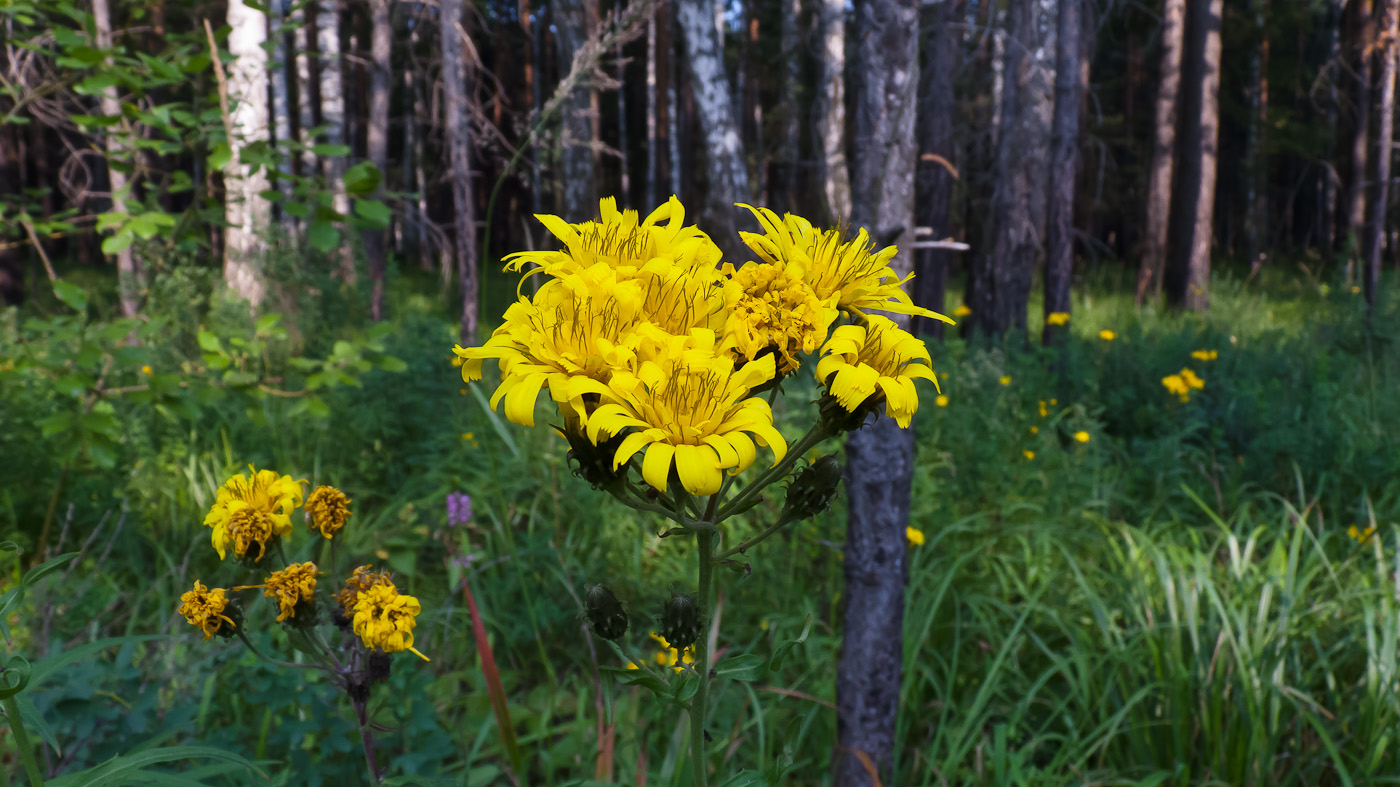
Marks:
<point>838,420</point>
<point>593,463</point>
<point>812,489</point>
<point>604,612</point>
<point>680,621</point>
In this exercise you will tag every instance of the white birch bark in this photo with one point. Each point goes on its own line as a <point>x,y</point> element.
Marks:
<point>652,151</point>
<point>281,109</point>
<point>332,97</point>
<point>246,212</point>
<point>830,109</point>
<point>128,271</point>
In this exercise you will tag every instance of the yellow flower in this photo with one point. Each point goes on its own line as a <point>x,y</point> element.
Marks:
<point>851,276</point>
<point>290,587</point>
<point>670,657</point>
<point>1360,536</point>
<point>252,510</point>
<point>1005,379</point>
<point>962,310</point>
<point>384,619</point>
<point>1035,430</point>
<point>1028,454</point>
<point>1192,381</point>
<point>915,536</point>
<point>327,508</point>
<point>941,400</point>
<point>691,411</point>
<point>364,578</point>
<point>878,359</point>
<point>1043,410</point>
<point>1082,436</point>
<point>204,608</point>
<point>146,370</point>
<point>1054,402</point>
<point>771,307</point>
<point>1176,385</point>
<point>1355,290</point>
<point>1057,318</point>
<point>1205,355</point>
<point>1107,335</point>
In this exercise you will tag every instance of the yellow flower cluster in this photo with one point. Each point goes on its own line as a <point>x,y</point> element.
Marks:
<point>251,509</point>
<point>1360,536</point>
<point>1205,355</point>
<point>384,619</point>
<point>639,333</point>
<point>204,608</point>
<point>1183,383</point>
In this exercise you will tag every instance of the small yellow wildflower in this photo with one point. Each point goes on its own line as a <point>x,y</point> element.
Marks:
<point>962,310</point>
<point>1035,430</point>
<point>1205,355</point>
<point>1107,335</point>
<point>384,619</point>
<point>1006,379</point>
<point>146,370</point>
<point>1044,411</point>
<point>668,656</point>
<point>1082,436</point>
<point>1054,402</point>
<point>941,400</point>
<point>204,608</point>
<point>1028,454</point>
<point>880,360</point>
<point>326,511</point>
<point>1192,381</point>
<point>461,392</point>
<point>469,436</point>
<point>1177,386</point>
<point>1355,290</point>
<point>915,536</point>
<point>290,587</point>
<point>1057,318</point>
<point>1355,534</point>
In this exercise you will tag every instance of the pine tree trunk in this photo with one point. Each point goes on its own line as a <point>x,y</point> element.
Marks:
<point>246,211</point>
<point>128,274</point>
<point>625,187</point>
<point>785,186</point>
<point>458,139</point>
<point>1163,163</point>
<point>1064,167</point>
<point>829,109</point>
<point>935,175</point>
<point>1193,198</point>
<point>575,21</point>
<point>1256,162</point>
<point>377,141</point>
<point>880,456</point>
<point>537,53</point>
<point>727,175</point>
<point>1359,29</point>
<point>1388,21</point>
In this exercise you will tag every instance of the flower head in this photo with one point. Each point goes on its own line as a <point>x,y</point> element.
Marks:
<point>1057,318</point>
<point>292,587</point>
<point>364,578</point>
<point>204,608</point>
<point>459,509</point>
<point>914,535</point>
<point>251,509</point>
<point>1205,355</point>
<point>962,310</point>
<point>384,619</point>
<point>1176,385</point>
<point>1005,379</point>
<point>1082,436</point>
<point>879,361</point>
<point>1353,532</point>
<point>327,508</point>
<point>941,400</point>
<point>771,307</point>
<point>1192,381</point>
<point>1107,335</point>
<point>1028,454</point>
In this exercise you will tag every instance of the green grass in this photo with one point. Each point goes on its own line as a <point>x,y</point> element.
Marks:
<point>1175,602</point>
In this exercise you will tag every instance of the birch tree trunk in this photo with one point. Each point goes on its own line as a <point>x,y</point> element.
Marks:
<point>576,20</point>
<point>829,109</point>
<point>1388,21</point>
<point>880,456</point>
<point>653,150</point>
<point>128,270</point>
<point>1193,199</point>
<point>936,175</point>
<point>458,139</point>
<point>1064,167</point>
<point>724,154</point>
<point>306,114</point>
<point>377,141</point>
<point>333,118</point>
<point>245,210</point>
<point>281,107</point>
<point>1159,171</point>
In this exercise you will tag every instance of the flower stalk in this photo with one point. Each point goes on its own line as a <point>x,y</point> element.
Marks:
<point>26,749</point>
<point>705,544</point>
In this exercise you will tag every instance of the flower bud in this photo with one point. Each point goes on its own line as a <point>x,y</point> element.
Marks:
<point>604,612</point>
<point>680,621</point>
<point>592,463</point>
<point>812,489</point>
<point>837,420</point>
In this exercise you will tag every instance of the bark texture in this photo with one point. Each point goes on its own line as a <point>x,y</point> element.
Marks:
<point>1358,28</point>
<point>459,141</point>
<point>1193,198</point>
<point>377,141</point>
<point>1256,162</point>
<point>935,175</point>
<point>281,106</point>
<point>724,152</point>
<point>1160,169</point>
<point>1064,167</point>
<point>1388,21</point>
<point>879,457</point>
<point>333,118</point>
<point>829,109</point>
<point>245,210</point>
<point>128,273</point>
<point>576,20</point>
<point>785,185</point>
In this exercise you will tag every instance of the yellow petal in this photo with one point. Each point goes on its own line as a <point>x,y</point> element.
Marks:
<point>656,466</point>
<point>698,468</point>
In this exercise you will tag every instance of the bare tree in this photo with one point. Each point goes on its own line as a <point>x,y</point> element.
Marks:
<point>1159,171</point>
<point>281,105</point>
<point>880,456</point>
<point>1256,161</point>
<point>1358,28</point>
<point>245,209</point>
<point>1389,24</point>
<point>459,141</point>
<point>377,140</point>
<point>333,116</point>
<point>653,139</point>
<point>576,20</point>
<point>128,271</point>
<point>1064,166</point>
<point>829,108</point>
<point>789,142</point>
<point>1193,198</point>
<point>936,174</point>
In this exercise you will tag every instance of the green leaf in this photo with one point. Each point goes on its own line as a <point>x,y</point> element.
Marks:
<point>748,667</point>
<point>362,179</point>
<point>746,779</point>
<point>220,156</point>
<point>16,594</point>
<point>238,379</point>
<point>687,686</point>
<point>116,243</point>
<point>375,214</point>
<point>46,667</point>
<point>208,342</point>
<point>34,720</point>
<point>780,652</point>
<point>391,364</point>
<point>317,407</point>
<point>637,677</point>
<point>322,236</point>
<point>120,770</point>
<point>267,322</point>
<point>330,150</point>
<point>71,295</point>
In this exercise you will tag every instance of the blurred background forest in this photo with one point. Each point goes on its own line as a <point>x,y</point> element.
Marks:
<point>1119,572</point>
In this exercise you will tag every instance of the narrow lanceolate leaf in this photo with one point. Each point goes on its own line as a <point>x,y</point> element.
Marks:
<point>121,770</point>
<point>493,681</point>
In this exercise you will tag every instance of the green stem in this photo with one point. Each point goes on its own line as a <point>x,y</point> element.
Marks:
<point>259,654</point>
<point>26,749</point>
<point>814,435</point>
<point>749,543</point>
<point>705,542</point>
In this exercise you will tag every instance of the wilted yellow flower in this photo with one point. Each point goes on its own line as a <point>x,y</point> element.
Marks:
<point>1057,318</point>
<point>327,508</point>
<point>1205,355</point>
<point>915,536</point>
<point>876,359</point>
<point>962,310</point>
<point>1082,436</point>
<point>1028,454</point>
<point>1107,335</point>
<point>384,619</point>
<point>941,400</point>
<point>771,307</point>
<point>204,608</point>
<point>364,578</point>
<point>251,510</point>
<point>1005,379</point>
<point>290,587</point>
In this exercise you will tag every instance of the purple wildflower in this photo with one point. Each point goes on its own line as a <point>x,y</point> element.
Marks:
<point>459,509</point>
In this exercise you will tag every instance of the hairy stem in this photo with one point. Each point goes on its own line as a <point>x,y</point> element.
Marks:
<point>705,542</point>
<point>367,742</point>
<point>814,436</point>
<point>26,749</point>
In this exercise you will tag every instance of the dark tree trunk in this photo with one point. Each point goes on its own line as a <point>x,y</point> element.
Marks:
<point>1193,199</point>
<point>936,174</point>
<point>785,182</point>
<point>880,457</point>
<point>459,146</point>
<point>829,109</point>
<point>575,21</point>
<point>1388,21</point>
<point>1160,170</point>
<point>1064,167</point>
<point>1256,160</point>
<point>1359,30</point>
<point>377,140</point>
<point>655,126</point>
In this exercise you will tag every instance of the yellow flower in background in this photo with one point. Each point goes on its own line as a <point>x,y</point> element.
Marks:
<point>941,400</point>
<point>290,587</point>
<point>1192,381</point>
<point>668,656</point>
<point>1057,318</point>
<point>1176,385</point>
<point>327,508</point>
<point>691,411</point>
<point>362,580</point>
<point>771,307</point>
<point>1355,534</point>
<point>875,359</point>
<point>146,370</point>
<point>1005,379</point>
<point>384,619</point>
<point>962,310</point>
<point>1355,290</point>
<point>1054,402</point>
<point>1205,355</point>
<point>851,275</point>
<point>251,509</point>
<point>1042,409</point>
<point>1028,454</point>
<point>914,535</point>
<point>1082,436</point>
<point>1107,335</point>
<point>204,608</point>
<point>1035,430</point>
